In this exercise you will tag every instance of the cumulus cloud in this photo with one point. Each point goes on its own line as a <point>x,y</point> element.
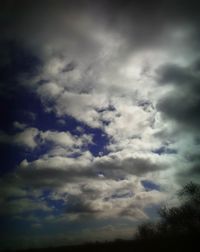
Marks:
<point>33,138</point>
<point>56,171</point>
<point>84,193</point>
<point>25,138</point>
<point>65,139</point>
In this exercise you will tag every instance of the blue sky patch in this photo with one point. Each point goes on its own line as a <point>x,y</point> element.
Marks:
<point>165,150</point>
<point>149,185</point>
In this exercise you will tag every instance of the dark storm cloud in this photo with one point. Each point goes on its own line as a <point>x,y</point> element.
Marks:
<point>181,109</point>
<point>182,104</point>
<point>143,23</point>
<point>175,74</point>
<point>187,77</point>
<point>38,25</point>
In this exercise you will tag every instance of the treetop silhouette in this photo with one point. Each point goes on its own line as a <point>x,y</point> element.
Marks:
<point>182,220</point>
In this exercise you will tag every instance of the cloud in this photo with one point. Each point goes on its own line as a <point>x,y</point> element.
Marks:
<point>65,139</point>
<point>25,138</point>
<point>82,107</point>
<point>54,172</point>
<point>182,103</point>
<point>106,199</point>
<point>19,125</point>
<point>49,90</point>
<point>78,205</point>
<point>83,192</point>
<point>34,138</point>
<point>116,168</point>
<point>19,206</point>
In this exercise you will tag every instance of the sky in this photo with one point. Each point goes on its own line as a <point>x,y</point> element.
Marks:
<point>100,116</point>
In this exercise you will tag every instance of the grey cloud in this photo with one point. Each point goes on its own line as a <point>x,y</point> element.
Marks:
<point>83,197</point>
<point>78,204</point>
<point>196,65</point>
<point>39,175</point>
<point>53,178</point>
<point>10,187</point>
<point>146,23</point>
<point>193,157</point>
<point>135,166</point>
<point>48,22</point>
<point>182,109</point>
<point>174,74</point>
<point>42,174</point>
<point>196,169</point>
<point>183,103</point>
<point>23,205</point>
<point>143,23</point>
<point>91,192</point>
<point>133,212</point>
<point>25,138</point>
<point>192,172</point>
<point>50,177</point>
<point>69,67</point>
<point>179,76</point>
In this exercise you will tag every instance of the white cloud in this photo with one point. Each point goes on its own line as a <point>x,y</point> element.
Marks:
<point>63,139</point>
<point>83,107</point>
<point>49,90</point>
<point>25,138</point>
<point>58,162</point>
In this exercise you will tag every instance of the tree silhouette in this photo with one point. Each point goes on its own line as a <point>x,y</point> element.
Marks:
<point>179,221</point>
